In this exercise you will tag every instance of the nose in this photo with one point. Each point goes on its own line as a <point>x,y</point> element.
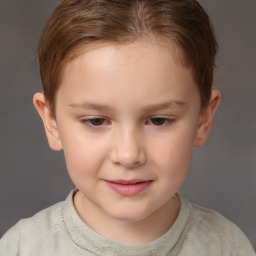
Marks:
<point>128,150</point>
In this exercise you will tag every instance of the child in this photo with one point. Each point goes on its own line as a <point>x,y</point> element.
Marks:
<point>127,95</point>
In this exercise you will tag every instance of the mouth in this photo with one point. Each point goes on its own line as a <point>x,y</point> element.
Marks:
<point>128,187</point>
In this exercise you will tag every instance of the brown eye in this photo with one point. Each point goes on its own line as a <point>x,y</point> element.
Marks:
<point>159,121</point>
<point>97,121</point>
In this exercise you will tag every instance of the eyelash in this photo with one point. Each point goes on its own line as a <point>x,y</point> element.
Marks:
<point>151,121</point>
<point>163,121</point>
<point>90,121</point>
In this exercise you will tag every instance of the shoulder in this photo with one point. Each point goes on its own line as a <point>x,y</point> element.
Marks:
<point>33,230</point>
<point>47,219</point>
<point>211,220</point>
<point>210,231</point>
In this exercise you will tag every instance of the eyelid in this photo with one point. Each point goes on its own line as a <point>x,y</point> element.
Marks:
<point>168,121</point>
<point>87,120</point>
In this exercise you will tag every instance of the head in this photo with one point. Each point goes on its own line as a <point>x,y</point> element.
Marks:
<point>76,25</point>
<point>127,95</point>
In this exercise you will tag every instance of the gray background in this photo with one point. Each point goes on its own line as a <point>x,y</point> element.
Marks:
<point>222,175</point>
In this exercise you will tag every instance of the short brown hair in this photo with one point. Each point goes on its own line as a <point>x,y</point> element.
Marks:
<point>75,23</point>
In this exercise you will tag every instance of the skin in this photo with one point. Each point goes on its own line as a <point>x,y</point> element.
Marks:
<point>127,112</point>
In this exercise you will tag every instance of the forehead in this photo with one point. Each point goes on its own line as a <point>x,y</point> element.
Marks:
<point>136,71</point>
<point>150,41</point>
<point>142,55</point>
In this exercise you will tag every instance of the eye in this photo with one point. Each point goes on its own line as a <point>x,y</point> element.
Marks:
<point>159,121</point>
<point>95,121</point>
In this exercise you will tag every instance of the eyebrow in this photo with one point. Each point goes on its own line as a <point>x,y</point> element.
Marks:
<point>90,105</point>
<point>149,108</point>
<point>165,105</point>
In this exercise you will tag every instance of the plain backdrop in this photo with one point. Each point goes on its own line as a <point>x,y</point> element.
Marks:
<point>222,176</point>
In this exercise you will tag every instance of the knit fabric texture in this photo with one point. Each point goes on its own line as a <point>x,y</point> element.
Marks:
<point>59,231</point>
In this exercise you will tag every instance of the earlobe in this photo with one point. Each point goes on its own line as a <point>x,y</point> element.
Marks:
<point>206,119</point>
<point>49,121</point>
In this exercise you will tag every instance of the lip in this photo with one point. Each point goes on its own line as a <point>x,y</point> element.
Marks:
<point>128,187</point>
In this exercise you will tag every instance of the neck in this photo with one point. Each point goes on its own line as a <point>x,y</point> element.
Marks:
<point>133,233</point>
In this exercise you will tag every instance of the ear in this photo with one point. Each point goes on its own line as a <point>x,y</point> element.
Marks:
<point>206,119</point>
<point>49,121</point>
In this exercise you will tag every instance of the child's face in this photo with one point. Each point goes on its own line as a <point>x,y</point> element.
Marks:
<point>127,118</point>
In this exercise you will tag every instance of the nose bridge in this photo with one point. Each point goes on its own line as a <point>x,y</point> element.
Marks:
<point>128,149</point>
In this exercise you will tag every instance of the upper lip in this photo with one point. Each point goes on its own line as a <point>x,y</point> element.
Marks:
<point>128,182</point>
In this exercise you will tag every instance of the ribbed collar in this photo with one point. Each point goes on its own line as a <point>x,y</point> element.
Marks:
<point>168,244</point>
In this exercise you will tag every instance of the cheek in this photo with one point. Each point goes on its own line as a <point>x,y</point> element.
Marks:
<point>83,158</point>
<point>173,156</point>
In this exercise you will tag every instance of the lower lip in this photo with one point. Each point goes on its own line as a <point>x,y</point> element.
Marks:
<point>129,189</point>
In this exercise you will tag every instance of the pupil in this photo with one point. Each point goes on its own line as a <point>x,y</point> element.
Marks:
<point>97,121</point>
<point>158,121</point>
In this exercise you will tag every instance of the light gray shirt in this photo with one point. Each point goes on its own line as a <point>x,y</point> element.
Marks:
<point>59,231</point>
